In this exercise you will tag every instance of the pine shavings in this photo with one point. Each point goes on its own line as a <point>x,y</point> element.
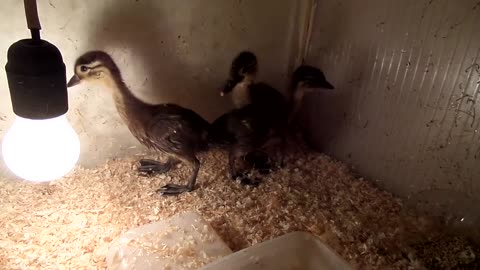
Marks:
<point>71,223</point>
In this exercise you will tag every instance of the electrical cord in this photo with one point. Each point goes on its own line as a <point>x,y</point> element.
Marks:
<point>33,22</point>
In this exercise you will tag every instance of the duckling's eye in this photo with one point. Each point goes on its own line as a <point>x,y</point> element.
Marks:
<point>83,68</point>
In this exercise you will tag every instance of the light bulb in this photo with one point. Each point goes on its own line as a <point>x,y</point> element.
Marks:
<point>41,150</point>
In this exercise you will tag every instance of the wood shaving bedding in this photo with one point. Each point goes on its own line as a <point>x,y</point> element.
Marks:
<point>70,223</point>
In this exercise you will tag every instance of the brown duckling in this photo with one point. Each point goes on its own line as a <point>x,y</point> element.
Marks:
<point>305,79</point>
<point>168,128</point>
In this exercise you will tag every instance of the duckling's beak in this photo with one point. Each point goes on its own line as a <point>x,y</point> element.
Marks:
<point>228,87</point>
<point>73,81</point>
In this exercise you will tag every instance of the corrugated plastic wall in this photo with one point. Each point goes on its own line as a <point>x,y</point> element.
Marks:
<point>406,109</point>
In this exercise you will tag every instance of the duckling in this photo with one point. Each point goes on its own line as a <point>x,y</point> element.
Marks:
<point>270,103</point>
<point>246,131</point>
<point>305,80</point>
<point>244,89</point>
<point>167,128</point>
<point>268,110</point>
<point>248,126</point>
<point>243,72</point>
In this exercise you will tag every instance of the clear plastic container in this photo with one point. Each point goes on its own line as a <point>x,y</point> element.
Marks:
<point>293,251</point>
<point>185,241</point>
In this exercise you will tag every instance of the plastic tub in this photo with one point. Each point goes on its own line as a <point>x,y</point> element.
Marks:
<point>185,241</point>
<point>293,251</point>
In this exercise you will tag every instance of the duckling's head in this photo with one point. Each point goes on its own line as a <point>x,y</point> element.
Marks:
<point>243,70</point>
<point>95,67</point>
<point>244,64</point>
<point>309,78</point>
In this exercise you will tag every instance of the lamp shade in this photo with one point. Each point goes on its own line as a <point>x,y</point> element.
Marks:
<point>37,79</point>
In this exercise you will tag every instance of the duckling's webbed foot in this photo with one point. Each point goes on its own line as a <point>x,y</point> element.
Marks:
<point>236,151</point>
<point>283,150</point>
<point>244,179</point>
<point>260,161</point>
<point>150,167</point>
<point>247,181</point>
<point>173,189</point>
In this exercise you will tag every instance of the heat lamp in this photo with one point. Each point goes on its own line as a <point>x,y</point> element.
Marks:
<point>40,145</point>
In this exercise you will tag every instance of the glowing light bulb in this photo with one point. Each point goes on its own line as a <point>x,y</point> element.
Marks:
<point>41,150</point>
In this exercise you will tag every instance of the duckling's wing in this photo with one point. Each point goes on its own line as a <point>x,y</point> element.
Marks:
<point>174,111</point>
<point>247,124</point>
<point>270,103</point>
<point>178,130</point>
<point>262,93</point>
<point>271,106</point>
<point>220,131</point>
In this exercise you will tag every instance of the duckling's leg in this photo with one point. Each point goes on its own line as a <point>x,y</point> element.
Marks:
<point>283,149</point>
<point>235,152</point>
<point>174,189</point>
<point>149,167</point>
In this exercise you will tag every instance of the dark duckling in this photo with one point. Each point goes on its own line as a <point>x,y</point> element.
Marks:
<point>244,89</point>
<point>246,133</point>
<point>262,111</point>
<point>168,128</point>
<point>249,125</point>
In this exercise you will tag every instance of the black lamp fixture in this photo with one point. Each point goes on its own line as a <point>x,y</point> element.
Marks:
<point>41,145</point>
<point>36,73</point>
